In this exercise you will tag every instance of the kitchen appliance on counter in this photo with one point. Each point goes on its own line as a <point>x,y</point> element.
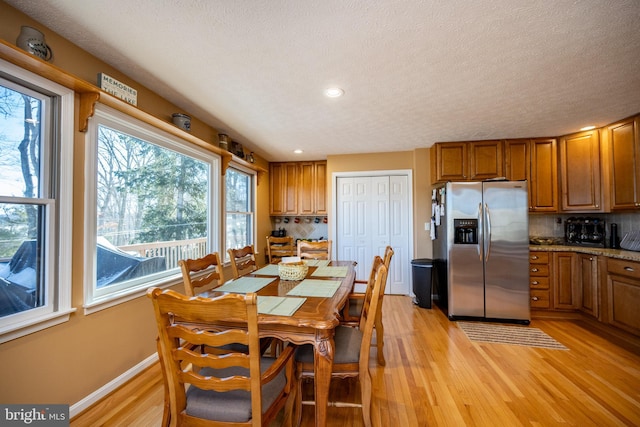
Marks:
<point>481,250</point>
<point>585,231</point>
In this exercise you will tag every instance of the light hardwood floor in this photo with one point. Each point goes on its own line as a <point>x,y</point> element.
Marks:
<point>435,376</point>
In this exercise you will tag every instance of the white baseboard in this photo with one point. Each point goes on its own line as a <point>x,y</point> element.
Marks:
<point>103,391</point>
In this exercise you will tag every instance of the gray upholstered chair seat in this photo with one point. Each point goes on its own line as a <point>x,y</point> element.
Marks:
<point>347,347</point>
<point>232,406</point>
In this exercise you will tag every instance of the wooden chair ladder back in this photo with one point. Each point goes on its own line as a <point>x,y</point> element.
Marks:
<point>198,383</point>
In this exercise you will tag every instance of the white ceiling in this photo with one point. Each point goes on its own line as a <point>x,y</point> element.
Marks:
<point>414,72</point>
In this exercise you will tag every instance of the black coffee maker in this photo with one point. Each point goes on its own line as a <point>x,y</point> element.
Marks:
<point>585,231</point>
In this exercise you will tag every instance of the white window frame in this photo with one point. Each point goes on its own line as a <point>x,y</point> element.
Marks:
<point>254,202</point>
<point>58,212</point>
<point>94,299</point>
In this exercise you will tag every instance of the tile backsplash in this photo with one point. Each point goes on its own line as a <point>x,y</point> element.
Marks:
<point>545,225</point>
<point>306,228</point>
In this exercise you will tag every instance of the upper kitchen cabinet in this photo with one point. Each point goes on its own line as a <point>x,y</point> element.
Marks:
<point>580,172</point>
<point>298,188</point>
<point>467,161</point>
<point>543,175</point>
<point>283,188</point>
<point>312,193</point>
<point>451,161</point>
<point>516,159</point>
<point>624,147</point>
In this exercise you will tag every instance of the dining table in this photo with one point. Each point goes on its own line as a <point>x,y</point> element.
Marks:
<point>301,312</point>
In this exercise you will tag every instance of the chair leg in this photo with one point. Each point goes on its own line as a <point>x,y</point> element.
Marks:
<point>365,395</point>
<point>380,342</point>
<point>298,400</point>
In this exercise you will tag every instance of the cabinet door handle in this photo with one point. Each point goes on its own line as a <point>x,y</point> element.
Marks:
<point>629,269</point>
<point>534,257</point>
<point>535,282</point>
<point>534,298</point>
<point>533,270</point>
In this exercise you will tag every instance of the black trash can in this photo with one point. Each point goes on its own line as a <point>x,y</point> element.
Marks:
<point>421,271</point>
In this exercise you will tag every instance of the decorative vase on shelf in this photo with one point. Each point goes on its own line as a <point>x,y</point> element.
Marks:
<point>32,41</point>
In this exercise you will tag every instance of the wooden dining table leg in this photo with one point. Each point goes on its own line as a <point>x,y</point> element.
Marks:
<point>322,366</point>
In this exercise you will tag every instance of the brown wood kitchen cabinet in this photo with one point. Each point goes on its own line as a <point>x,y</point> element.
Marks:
<point>283,188</point>
<point>312,194</point>
<point>588,279</point>
<point>298,188</point>
<point>565,277</point>
<point>624,146</point>
<point>580,176</point>
<point>543,175</point>
<point>467,161</point>
<point>539,280</point>
<point>623,294</point>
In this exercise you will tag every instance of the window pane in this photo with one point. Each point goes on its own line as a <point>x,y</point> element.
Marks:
<point>151,207</point>
<point>21,258</point>
<point>239,227</point>
<point>238,194</point>
<point>20,129</point>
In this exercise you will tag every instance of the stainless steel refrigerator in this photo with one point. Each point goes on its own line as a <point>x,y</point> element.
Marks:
<point>481,250</point>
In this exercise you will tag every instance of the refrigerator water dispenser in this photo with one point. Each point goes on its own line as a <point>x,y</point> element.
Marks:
<point>465,231</point>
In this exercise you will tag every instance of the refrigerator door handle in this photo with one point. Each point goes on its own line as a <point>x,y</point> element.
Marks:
<point>487,241</point>
<point>480,232</point>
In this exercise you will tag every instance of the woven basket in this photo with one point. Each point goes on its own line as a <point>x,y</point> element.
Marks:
<point>292,271</point>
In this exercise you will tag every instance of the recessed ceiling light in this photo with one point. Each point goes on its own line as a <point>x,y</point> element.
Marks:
<point>334,92</point>
<point>298,151</point>
<point>588,128</point>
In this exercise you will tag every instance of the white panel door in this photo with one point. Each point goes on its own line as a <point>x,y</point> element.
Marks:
<point>399,278</point>
<point>373,212</point>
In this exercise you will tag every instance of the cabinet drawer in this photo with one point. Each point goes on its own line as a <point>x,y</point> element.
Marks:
<point>539,257</point>
<point>540,299</point>
<point>624,268</point>
<point>538,270</point>
<point>539,282</point>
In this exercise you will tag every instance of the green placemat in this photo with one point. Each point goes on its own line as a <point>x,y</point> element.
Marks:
<point>317,262</point>
<point>268,270</point>
<point>316,288</point>
<point>280,306</point>
<point>331,272</point>
<point>243,285</point>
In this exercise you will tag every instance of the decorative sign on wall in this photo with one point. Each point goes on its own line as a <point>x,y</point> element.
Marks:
<point>118,89</point>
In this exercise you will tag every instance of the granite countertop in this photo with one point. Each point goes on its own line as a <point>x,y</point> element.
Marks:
<point>611,253</point>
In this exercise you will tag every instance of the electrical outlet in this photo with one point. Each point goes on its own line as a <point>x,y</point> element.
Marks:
<point>559,220</point>
<point>427,226</point>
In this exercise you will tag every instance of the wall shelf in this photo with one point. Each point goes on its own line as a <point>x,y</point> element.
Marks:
<point>91,94</point>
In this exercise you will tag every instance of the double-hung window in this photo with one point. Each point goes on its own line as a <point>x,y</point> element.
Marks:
<point>36,178</point>
<point>239,206</point>
<point>151,200</point>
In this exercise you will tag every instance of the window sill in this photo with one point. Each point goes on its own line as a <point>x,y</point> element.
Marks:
<point>128,295</point>
<point>35,325</point>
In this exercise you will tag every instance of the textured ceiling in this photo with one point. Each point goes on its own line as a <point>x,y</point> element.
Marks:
<point>414,72</point>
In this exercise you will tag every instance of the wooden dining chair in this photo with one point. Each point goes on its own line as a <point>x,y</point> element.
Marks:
<point>202,273</point>
<point>353,309</point>
<point>243,261</point>
<point>212,389</point>
<point>351,351</point>
<point>314,250</point>
<point>278,247</point>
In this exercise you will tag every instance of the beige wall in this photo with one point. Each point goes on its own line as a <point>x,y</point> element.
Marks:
<point>66,363</point>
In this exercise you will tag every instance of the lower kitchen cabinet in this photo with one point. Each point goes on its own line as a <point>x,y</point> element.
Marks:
<point>565,296</point>
<point>588,280</point>
<point>623,294</point>
<point>539,274</point>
